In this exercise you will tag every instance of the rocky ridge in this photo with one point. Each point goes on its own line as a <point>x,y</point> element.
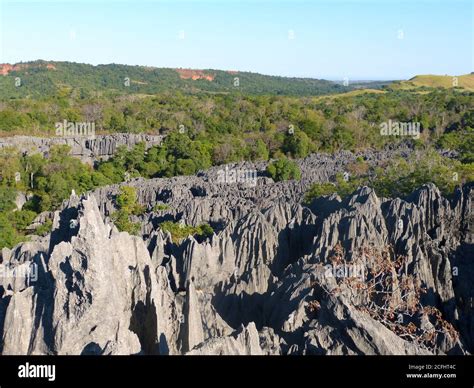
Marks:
<point>87,148</point>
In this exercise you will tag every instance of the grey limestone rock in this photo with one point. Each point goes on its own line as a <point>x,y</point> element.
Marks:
<point>255,286</point>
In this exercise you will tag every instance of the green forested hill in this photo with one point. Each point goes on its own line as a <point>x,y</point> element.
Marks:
<point>44,79</point>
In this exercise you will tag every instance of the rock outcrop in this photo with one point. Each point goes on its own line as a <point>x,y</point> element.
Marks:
<point>267,281</point>
<point>88,148</point>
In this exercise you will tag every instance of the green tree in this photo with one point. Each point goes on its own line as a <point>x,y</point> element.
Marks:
<point>284,169</point>
<point>297,144</point>
<point>9,237</point>
<point>127,203</point>
<point>7,198</point>
<point>21,219</point>
<point>318,190</point>
<point>259,150</point>
<point>185,167</point>
<point>127,200</point>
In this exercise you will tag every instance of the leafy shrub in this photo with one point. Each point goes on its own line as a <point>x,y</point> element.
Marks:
<point>283,170</point>
<point>179,232</point>
<point>122,221</point>
<point>160,207</point>
<point>297,144</point>
<point>21,219</point>
<point>9,236</point>
<point>318,190</point>
<point>45,228</point>
<point>127,201</point>
<point>7,198</point>
<point>128,206</point>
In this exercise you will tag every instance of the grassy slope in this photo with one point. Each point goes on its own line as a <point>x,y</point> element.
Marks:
<point>352,93</point>
<point>436,81</point>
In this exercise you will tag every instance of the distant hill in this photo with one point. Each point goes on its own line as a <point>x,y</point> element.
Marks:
<point>42,79</point>
<point>436,81</point>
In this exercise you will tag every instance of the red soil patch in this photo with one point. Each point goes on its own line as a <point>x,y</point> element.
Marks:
<point>194,74</point>
<point>6,68</point>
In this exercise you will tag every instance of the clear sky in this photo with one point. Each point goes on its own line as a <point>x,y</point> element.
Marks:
<point>322,39</point>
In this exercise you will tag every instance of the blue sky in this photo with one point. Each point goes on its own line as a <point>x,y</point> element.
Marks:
<point>322,39</point>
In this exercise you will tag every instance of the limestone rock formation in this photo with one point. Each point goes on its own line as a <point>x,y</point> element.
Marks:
<point>272,279</point>
<point>87,148</point>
